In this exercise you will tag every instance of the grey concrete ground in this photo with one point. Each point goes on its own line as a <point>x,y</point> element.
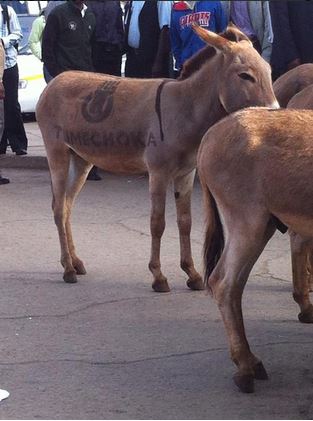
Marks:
<point>110,348</point>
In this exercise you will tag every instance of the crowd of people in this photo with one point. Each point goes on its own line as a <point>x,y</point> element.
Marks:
<point>156,36</point>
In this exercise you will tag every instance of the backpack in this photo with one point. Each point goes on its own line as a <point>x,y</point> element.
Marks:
<point>6,21</point>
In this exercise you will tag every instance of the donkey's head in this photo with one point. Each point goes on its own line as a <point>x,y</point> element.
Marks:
<point>244,77</point>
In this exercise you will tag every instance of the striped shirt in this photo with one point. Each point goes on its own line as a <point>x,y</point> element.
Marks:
<point>9,39</point>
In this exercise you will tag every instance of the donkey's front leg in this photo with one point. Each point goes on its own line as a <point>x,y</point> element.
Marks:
<point>300,254</point>
<point>183,189</point>
<point>157,185</point>
<point>59,164</point>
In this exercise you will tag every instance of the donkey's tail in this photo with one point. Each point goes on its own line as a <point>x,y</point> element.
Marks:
<point>214,237</point>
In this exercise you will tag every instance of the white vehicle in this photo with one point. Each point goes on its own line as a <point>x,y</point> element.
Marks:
<point>31,82</point>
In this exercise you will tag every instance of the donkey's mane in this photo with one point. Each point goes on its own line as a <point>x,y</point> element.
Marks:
<point>206,53</point>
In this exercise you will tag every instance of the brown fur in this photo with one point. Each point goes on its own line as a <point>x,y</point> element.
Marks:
<point>145,127</point>
<point>292,82</point>
<point>255,164</point>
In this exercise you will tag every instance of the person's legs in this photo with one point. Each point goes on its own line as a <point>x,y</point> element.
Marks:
<point>14,130</point>
<point>2,179</point>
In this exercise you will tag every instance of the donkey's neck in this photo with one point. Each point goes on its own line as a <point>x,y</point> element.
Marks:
<point>199,103</point>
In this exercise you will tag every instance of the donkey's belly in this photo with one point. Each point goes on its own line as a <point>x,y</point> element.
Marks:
<point>300,224</point>
<point>117,151</point>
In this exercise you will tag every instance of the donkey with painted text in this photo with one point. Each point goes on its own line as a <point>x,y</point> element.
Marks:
<point>155,126</point>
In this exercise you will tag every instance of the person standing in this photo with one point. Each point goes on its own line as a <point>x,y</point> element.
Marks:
<point>293,34</point>
<point>14,131</point>
<point>3,180</point>
<point>184,42</point>
<point>254,20</point>
<point>147,39</point>
<point>108,39</point>
<point>66,40</point>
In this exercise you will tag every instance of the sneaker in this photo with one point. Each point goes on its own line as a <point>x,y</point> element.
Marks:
<point>4,180</point>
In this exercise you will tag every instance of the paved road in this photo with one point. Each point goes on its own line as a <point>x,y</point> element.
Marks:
<point>108,347</point>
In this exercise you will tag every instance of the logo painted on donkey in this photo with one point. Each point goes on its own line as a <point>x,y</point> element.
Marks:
<point>98,105</point>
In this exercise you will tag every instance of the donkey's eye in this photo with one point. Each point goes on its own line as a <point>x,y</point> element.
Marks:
<point>246,76</point>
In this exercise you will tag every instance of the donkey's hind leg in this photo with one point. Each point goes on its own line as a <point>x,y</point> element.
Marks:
<point>183,189</point>
<point>59,160</point>
<point>227,282</point>
<point>78,172</point>
<point>301,249</point>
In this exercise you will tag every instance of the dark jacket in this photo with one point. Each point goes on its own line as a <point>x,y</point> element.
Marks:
<point>293,33</point>
<point>149,30</point>
<point>66,41</point>
<point>109,22</point>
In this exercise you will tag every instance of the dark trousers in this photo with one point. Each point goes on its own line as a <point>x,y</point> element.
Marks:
<point>107,59</point>
<point>14,132</point>
<point>137,64</point>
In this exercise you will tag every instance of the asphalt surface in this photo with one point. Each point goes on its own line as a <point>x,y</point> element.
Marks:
<point>109,347</point>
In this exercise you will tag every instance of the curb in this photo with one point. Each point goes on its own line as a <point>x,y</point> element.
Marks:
<point>25,162</point>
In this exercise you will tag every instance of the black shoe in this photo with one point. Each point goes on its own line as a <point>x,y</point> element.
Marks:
<point>20,152</point>
<point>94,177</point>
<point>4,180</point>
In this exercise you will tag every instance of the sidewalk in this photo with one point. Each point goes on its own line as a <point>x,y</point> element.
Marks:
<point>36,157</point>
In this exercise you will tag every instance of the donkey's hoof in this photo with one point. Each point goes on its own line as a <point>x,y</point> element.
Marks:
<point>70,277</point>
<point>80,268</point>
<point>260,372</point>
<point>195,284</point>
<point>161,286</point>
<point>306,316</point>
<point>244,382</point>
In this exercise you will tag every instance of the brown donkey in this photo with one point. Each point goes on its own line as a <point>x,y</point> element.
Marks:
<point>303,100</point>
<point>292,82</point>
<point>134,126</point>
<point>255,168</point>
<point>302,248</point>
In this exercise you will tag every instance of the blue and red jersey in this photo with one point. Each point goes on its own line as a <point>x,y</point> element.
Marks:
<point>185,43</point>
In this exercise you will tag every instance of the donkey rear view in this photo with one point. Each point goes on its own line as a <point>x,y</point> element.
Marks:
<point>256,170</point>
<point>134,126</point>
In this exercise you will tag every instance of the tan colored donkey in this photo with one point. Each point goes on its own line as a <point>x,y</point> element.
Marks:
<point>256,170</point>
<point>303,100</point>
<point>292,82</point>
<point>134,126</point>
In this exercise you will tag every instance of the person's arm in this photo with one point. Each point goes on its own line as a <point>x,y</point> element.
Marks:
<point>221,18</point>
<point>35,37</point>
<point>49,44</point>
<point>162,57</point>
<point>16,33</point>
<point>268,32</point>
<point>2,61</point>
<point>176,43</point>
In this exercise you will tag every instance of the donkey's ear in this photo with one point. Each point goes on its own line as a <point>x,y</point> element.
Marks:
<point>212,39</point>
<point>234,34</point>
